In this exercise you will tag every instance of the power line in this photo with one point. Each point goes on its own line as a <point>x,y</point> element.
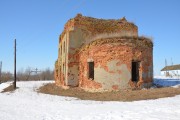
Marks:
<point>31,71</point>
<point>36,71</point>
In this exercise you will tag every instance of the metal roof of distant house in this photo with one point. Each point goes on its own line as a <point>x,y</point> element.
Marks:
<point>172,67</point>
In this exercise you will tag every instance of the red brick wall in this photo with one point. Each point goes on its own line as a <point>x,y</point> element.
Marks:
<point>125,51</point>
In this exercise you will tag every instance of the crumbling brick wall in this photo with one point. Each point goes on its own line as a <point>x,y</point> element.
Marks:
<point>112,45</point>
<point>112,59</point>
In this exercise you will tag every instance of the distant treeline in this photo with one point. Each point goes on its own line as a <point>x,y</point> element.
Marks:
<point>28,74</point>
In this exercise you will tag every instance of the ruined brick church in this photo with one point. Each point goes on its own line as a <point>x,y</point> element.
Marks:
<point>103,55</point>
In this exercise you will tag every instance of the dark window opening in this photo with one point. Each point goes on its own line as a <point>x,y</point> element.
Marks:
<point>64,47</point>
<point>61,50</point>
<point>63,69</point>
<point>135,71</point>
<point>91,70</point>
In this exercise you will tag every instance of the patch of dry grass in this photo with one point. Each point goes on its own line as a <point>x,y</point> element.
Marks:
<point>123,95</point>
<point>9,89</point>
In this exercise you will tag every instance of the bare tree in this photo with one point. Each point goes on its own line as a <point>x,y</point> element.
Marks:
<point>29,74</point>
<point>35,74</point>
<point>6,76</point>
<point>47,74</point>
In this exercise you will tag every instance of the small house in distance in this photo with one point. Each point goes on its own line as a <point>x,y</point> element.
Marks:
<point>103,55</point>
<point>171,71</point>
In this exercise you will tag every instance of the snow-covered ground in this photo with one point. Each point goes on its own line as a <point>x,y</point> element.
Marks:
<point>26,104</point>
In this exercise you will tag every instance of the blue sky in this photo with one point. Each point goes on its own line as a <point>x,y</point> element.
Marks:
<point>37,24</point>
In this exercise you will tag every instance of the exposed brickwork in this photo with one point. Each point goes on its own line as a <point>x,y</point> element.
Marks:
<point>112,52</point>
<point>115,87</point>
<point>95,26</point>
<point>123,50</point>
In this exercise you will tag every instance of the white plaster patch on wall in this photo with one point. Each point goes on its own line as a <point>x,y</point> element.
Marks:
<point>105,78</point>
<point>108,79</point>
<point>125,75</point>
<point>90,60</point>
<point>112,65</point>
<point>76,40</point>
<point>73,75</point>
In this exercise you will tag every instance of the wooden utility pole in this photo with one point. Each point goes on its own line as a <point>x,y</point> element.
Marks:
<point>0,71</point>
<point>15,64</point>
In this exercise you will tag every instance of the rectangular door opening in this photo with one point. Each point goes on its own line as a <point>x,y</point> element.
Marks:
<point>91,70</point>
<point>135,71</point>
